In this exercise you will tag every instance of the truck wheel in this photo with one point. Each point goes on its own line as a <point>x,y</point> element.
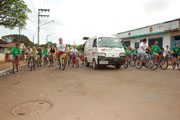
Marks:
<point>86,62</point>
<point>94,65</point>
<point>118,66</point>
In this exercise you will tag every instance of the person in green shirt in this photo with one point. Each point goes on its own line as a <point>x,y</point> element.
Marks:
<point>176,51</point>
<point>156,50</point>
<point>125,47</point>
<point>16,51</point>
<point>45,51</point>
<point>135,52</point>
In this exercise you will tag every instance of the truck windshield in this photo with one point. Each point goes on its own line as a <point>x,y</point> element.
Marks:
<point>109,42</point>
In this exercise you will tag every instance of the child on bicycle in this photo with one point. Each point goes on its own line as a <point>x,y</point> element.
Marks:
<point>176,52</point>
<point>34,53</point>
<point>74,53</point>
<point>156,50</point>
<point>52,52</point>
<point>16,51</point>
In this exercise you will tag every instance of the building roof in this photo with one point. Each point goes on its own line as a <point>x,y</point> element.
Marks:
<point>15,43</point>
<point>148,26</point>
<point>6,45</point>
<point>3,42</point>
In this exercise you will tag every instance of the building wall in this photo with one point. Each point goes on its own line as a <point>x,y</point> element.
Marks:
<point>2,57</point>
<point>166,39</point>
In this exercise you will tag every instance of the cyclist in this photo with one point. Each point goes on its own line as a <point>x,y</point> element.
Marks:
<point>176,52</point>
<point>156,50</point>
<point>27,53</point>
<point>34,53</point>
<point>52,52</point>
<point>167,51</point>
<point>40,52</point>
<point>142,50</point>
<point>74,54</point>
<point>45,53</point>
<point>16,51</point>
<point>125,47</point>
<point>128,51</point>
<point>61,49</point>
<point>135,52</point>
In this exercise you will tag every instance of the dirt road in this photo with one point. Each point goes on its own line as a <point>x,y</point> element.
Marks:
<point>86,94</point>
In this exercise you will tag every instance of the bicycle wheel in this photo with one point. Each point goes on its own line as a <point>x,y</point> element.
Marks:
<point>178,64</point>
<point>77,63</point>
<point>63,63</point>
<point>138,64</point>
<point>150,64</point>
<point>132,63</point>
<point>164,64</point>
<point>31,65</point>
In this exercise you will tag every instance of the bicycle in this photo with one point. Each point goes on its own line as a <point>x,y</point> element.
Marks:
<point>127,61</point>
<point>176,63</point>
<point>75,61</point>
<point>39,61</point>
<point>51,62</point>
<point>46,60</point>
<point>32,63</point>
<point>149,62</point>
<point>133,60</point>
<point>160,62</point>
<point>15,65</point>
<point>62,62</point>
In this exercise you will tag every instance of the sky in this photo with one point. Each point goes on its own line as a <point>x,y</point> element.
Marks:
<point>75,19</point>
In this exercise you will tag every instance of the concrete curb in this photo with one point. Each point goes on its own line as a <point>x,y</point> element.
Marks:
<point>9,71</point>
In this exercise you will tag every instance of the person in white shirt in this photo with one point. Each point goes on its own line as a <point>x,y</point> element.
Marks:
<point>143,49</point>
<point>61,48</point>
<point>167,51</point>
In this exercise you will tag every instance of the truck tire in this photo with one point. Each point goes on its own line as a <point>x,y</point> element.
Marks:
<point>117,66</point>
<point>86,62</point>
<point>94,65</point>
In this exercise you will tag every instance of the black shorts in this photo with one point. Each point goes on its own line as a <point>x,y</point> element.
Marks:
<point>175,55</point>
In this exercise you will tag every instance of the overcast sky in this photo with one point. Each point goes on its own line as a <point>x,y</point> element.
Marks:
<point>75,19</point>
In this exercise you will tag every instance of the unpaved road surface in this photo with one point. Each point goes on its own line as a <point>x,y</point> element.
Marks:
<point>86,94</point>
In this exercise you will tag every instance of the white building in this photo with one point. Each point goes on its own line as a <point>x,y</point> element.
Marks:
<point>166,33</point>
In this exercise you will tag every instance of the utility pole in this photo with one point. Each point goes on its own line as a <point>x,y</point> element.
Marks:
<point>19,30</point>
<point>39,15</point>
<point>33,39</point>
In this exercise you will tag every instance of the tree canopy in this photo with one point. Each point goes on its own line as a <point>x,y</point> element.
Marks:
<point>18,39</point>
<point>13,13</point>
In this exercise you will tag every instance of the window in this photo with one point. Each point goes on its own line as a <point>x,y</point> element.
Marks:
<point>136,45</point>
<point>152,41</point>
<point>127,43</point>
<point>95,43</point>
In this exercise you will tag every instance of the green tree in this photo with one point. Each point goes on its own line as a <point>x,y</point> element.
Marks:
<point>79,47</point>
<point>18,39</point>
<point>13,13</point>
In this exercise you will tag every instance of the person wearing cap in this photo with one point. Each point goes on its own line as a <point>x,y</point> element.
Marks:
<point>156,50</point>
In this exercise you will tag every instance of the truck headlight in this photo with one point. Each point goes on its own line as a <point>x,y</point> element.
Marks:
<point>122,54</point>
<point>101,54</point>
